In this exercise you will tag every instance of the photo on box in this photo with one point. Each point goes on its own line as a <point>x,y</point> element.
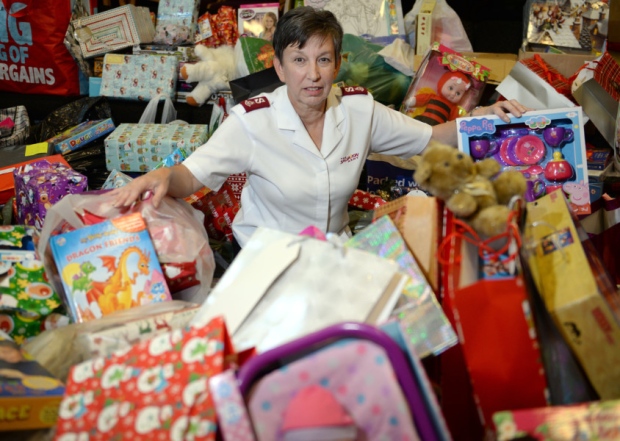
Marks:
<point>258,20</point>
<point>446,86</point>
<point>546,146</point>
<point>576,25</point>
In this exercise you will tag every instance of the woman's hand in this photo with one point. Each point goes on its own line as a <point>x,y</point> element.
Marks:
<point>156,181</point>
<point>501,109</point>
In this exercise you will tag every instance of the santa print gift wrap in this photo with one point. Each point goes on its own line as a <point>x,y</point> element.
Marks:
<point>155,390</point>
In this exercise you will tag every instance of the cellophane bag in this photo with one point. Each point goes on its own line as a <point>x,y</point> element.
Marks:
<point>177,231</point>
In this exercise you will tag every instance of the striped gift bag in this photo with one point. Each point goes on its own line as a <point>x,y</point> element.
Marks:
<point>14,126</point>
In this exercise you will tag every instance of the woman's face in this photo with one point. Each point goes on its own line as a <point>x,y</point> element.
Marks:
<point>268,22</point>
<point>308,72</point>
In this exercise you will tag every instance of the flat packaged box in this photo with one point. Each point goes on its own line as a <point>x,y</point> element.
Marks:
<point>142,147</point>
<point>29,395</point>
<point>115,29</point>
<point>81,134</point>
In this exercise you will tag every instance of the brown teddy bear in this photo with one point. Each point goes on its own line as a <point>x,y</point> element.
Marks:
<point>474,191</point>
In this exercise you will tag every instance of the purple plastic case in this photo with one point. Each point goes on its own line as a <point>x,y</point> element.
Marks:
<point>268,361</point>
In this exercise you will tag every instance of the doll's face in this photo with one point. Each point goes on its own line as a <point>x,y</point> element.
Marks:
<point>454,89</point>
<point>268,22</point>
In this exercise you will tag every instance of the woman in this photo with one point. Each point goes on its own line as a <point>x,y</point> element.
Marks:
<point>303,146</point>
<point>269,26</point>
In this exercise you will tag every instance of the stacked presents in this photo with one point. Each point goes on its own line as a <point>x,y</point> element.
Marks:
<point>475,298</point>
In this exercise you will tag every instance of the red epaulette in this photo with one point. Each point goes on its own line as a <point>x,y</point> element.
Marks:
<point>255,103</point>
<point>354,90</point>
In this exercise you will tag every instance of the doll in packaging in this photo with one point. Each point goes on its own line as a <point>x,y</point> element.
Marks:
<point>446,86</point>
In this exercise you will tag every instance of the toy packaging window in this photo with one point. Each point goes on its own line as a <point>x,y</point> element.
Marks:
<point>547,146</point>
<point>378,21</point>
<point>575,26</point>
<point>258,20</point>
<point>446,86</point>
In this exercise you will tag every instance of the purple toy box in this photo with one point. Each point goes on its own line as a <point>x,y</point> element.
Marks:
<point>39,185</point>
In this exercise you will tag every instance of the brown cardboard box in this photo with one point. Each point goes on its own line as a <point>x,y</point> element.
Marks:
<point>499,64</point>
<point>566,64</point>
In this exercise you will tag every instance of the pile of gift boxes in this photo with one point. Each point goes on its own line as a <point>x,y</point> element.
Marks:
<point>569,145</point>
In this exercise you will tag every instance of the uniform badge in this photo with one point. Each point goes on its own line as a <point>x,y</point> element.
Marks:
<point>255,103</point>
<point>354,90</point>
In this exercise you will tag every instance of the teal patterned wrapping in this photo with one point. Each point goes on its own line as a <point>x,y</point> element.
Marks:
<point>418,310</point>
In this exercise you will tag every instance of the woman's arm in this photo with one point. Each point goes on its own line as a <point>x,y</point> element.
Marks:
<point>446,133</point>
<point>176,181</point>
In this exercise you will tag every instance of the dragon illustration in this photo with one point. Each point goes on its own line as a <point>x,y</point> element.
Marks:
<point>116,293</point>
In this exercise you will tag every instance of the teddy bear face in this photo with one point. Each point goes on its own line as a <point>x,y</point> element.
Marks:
<point>443,169</point>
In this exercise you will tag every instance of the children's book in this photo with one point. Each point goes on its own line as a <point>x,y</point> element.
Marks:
<point>29,394</point>
<point>109,266</point>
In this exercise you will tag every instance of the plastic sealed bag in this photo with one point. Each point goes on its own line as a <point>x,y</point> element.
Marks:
<point>177,231</point>
<point>149,115</point>
<point>363,66</point>
<point>447,27</point>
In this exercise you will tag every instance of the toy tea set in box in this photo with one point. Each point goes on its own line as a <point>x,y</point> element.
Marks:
<point>547,146</point>
<point>446,86</point>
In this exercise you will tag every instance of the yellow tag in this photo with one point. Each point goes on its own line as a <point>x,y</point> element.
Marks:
<point>36,149</point>
<point>114,59</point>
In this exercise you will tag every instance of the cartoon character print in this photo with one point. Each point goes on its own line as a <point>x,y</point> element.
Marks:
<point>87,370</point>
<point>114,375</point>
<point>194,391</point>
<point>155,379</point>
<point>197,349</point>
<point>190,429</point>
<point>163,343</point>
<point>80,436</point>
<point>75,406</point>
<point>152,417</point>
<point>578,193</point>
<point>111,414</point>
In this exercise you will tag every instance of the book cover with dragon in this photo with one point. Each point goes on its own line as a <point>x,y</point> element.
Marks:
<point>109,266</point>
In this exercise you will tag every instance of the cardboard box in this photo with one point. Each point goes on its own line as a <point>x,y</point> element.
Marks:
<point>566,64</point>
<point>139,77</point>
<point>142,147</point>
<point>424,25</point>
<point>498,64</point>
<point>600,107</point>
<point>40,185</point>
<point>29,394</point>
<point>576,290</point>
<point>81,134</point>
<point>545,144</point>
<point>7,183</point>
<point>115,29</point>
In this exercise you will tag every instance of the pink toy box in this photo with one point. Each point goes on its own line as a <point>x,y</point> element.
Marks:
<point>547,146</point>
<point>446,86</point>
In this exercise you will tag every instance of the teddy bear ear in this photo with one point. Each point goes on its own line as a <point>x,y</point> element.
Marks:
<point>422,173</point>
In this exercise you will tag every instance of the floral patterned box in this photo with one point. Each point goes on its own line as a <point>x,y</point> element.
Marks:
<point>178,13</point>
<point>139,77</point>
<point>142,147</point>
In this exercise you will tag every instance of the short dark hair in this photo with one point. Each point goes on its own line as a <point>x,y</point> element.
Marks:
<point>300,24</point>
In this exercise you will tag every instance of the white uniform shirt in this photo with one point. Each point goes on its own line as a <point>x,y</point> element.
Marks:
<point>291,184</point>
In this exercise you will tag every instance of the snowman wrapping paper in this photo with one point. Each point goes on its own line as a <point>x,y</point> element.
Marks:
<point>154,390</point>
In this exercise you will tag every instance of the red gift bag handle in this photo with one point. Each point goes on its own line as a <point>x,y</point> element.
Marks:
<point>464,232</point>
